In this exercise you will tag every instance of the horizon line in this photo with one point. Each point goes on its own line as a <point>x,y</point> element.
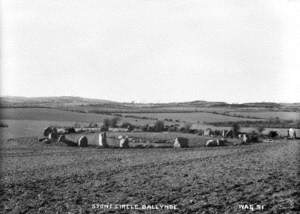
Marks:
<point>136,102</point>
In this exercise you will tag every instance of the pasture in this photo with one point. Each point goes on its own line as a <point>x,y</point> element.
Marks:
<point>48,114</point>
<point>38,178</point>
<point>29,128</point>
<point>159,139</point>
<point>51,114</point>
<point>28,122</point>
<point>269,114</point>
<point>190,117</point>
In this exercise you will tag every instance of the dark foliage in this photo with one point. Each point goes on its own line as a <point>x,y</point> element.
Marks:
<point>3,125</point>
<point>92,125</point>
<point>159,126</point>
<point>236,129</point>
<point>272,123</point>
<point>127,125</point>
<point>273,134</point>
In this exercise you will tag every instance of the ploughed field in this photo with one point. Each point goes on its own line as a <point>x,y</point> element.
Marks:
<point>50,178</point>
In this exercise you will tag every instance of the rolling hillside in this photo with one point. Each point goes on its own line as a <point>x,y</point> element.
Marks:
<point>79,103</point>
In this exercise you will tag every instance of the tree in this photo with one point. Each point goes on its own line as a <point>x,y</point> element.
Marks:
<point>77,125</point>
<point>3,125</point>
<point>127,125</point>
<point>114,121</point>
<point>159,126</point>
<point>106,123</point>
<point>93,125</point>
<point>260,129</point>
<point>236,129</point>
<point>186,128</point>
<point>104,128</point>
<point>298,124</point>
<point>145,128</point>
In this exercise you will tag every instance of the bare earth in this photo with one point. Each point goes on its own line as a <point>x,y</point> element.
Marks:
<point>48,179</point>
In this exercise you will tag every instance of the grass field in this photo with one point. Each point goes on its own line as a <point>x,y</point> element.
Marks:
<point>29,128</point>
<point>32,128</point>
<point>269,114</point>
<point>192,117</point>
<point>39,178</point>
<point>159,139</point>
<point>49,114</point>
<point>27,122</point>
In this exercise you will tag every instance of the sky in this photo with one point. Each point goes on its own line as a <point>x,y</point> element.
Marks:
<point>152,50</point>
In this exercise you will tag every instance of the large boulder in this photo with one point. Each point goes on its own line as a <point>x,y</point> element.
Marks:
<point>222,142</point>
<point>70,130</point>
<point>83,141</point>
<point>47,131</point>
<point>212,142</point>
<point>53,136</point>
<point>61,139</point>
<point>46,140</point>
<point>50,130</point>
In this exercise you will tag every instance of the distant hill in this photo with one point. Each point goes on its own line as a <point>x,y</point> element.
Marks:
<point>10,101</point>
<point>70,102</point>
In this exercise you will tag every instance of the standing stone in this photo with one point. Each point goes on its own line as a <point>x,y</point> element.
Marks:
<point>244,138</point>
<point>181,142</point>
<point>103,140</point>
<point>124,143</point>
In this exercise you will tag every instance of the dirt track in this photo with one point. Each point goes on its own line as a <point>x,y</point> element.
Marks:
<point>48,179</point>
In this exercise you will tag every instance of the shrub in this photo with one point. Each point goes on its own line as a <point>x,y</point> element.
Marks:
<point>172,129</point>
<point>273,134</point>
<point>253,137</point>
<point>127,125</point>
<point>298,124</point>
<point>3,125</point>
<point>77,125</point>
<point>236,129</point>
<point>104,128</point>
<point>92,125</point>
<point>260,129</point>
<point>106,123</point>
<point>114,121</point>
<point>159,126</point>
<point>145,127</point>
<point>70,130</point>
<point>186,128</point>
<point>201,132</point>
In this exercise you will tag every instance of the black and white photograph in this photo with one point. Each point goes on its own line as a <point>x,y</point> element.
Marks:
<point>149,106</point>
